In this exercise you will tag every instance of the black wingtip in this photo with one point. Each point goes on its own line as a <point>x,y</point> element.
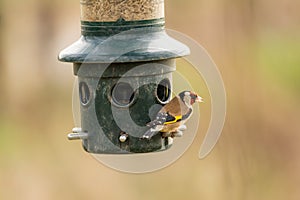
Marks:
<point>149,134</point>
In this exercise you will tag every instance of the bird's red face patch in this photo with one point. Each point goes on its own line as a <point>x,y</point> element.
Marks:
<point>192,101</point>
<point>195,98</point>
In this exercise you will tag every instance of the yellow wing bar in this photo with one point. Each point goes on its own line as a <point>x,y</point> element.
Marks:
<point>177,118</point>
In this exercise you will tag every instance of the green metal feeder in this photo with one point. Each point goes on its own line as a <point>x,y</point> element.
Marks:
<point>124,62</point>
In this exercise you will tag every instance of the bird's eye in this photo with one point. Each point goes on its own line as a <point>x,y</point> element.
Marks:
<point>163,91</point>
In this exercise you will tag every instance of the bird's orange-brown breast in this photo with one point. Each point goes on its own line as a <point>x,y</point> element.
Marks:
<point>175,108</point>
<point>170,127</point>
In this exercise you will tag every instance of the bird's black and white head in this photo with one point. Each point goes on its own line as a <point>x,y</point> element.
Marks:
<point>189,98</point>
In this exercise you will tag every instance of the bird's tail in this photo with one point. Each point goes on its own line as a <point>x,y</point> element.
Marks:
<point>150,133</point>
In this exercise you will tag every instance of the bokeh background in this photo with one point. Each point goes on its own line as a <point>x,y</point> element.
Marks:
<point>256,45</point>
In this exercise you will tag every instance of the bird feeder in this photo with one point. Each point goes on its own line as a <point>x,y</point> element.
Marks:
<point>124,62</point>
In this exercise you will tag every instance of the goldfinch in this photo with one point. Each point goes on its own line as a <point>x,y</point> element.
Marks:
<point>173,115</point>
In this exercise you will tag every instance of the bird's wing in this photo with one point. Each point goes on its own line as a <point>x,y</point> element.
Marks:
<point>169,116</point>
<point>174,107</point>
<point>172,112</point>
<point>164,118</point>
<point>160,119</point>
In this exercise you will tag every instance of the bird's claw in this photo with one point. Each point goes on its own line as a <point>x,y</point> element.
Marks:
<point>182,128</point>
<point>177,134</point>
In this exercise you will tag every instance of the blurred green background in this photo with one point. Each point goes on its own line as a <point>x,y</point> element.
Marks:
<point>256,45</point>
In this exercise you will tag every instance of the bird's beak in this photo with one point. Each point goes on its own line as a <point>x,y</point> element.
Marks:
<point>199,99</point>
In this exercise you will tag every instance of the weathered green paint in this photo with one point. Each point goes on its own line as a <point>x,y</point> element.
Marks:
<point>144,78</point>
<point>137,52</point>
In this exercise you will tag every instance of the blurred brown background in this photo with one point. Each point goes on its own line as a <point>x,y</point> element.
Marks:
<point>256,45</point>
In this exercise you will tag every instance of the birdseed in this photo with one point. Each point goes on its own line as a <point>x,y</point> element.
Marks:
<point>129,10</point>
